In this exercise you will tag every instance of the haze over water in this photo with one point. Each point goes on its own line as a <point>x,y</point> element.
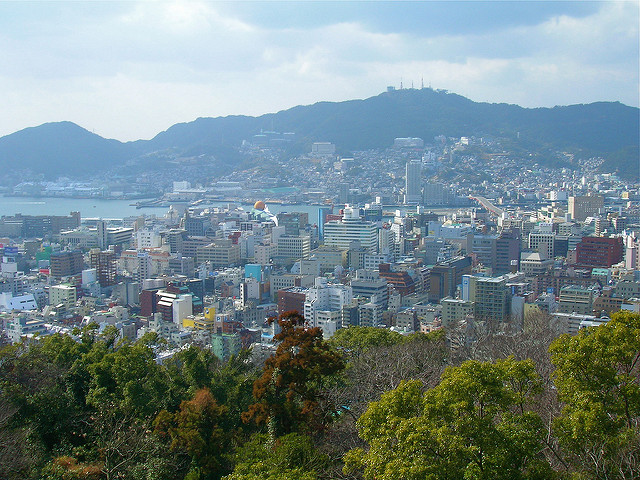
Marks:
<point>111,208</point>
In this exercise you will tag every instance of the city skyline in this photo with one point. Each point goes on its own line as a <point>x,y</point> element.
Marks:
<point>131,70</point>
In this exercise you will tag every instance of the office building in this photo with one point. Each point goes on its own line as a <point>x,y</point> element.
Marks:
<point>342,233</point>
<point>542,242</point>
<point>413,181</point>
<point>581,207</point>
<point>599,251</point>
<point>370,285</point>
<point>577,299</point>
<point>64,264</point>
<point>446,276</point>
<point>62,297</point>
<point>507,251</point>
<point>293,247</point>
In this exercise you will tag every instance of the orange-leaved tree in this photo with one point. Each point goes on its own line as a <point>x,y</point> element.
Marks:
<point>289,392</point>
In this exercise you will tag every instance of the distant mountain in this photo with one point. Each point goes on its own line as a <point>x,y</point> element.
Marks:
<point>609,129</point>
<point>60,148</point>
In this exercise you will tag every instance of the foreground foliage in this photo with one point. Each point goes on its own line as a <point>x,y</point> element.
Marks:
<point>475,425</point>
<point>367,404</point>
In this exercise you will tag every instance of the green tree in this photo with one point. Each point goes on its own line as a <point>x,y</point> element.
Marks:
<point>356,340</point>
<point>291,457</point>
<point>474,425</point>
<point>288,393</point>
<point>598,380</point>
<point>128,378</point>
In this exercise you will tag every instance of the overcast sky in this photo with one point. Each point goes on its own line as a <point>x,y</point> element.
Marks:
<point>129,70</point>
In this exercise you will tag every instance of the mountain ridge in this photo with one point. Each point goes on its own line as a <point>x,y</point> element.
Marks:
<point>599,128</point>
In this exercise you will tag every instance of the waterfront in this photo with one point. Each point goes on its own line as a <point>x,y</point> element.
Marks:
<point>91,208</point>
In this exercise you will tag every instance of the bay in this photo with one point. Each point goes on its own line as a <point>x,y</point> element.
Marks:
<point>100,208</point>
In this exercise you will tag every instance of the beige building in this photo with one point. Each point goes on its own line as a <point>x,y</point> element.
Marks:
<point>221,253</point>
<point>64,295</point>
<point>577,299</point>
<point>585,206</point>
<point>293,247</point>
<point>455,310</point>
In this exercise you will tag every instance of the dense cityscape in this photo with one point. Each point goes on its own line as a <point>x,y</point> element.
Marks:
<point>457,240</point>
<point>320,240</point>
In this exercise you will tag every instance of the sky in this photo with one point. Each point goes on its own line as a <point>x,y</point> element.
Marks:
<point>129,70</point>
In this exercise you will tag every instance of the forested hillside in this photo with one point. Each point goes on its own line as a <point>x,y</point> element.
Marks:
<point>368,404</point>
<point>607,129</point>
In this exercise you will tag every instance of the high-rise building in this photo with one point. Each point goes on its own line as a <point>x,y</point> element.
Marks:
<point>322,219</point>
<point>221,253</point>
<point>102,234</point>
<point>491,297</point>
<point>485,249</point>
<point>370,285</point>
<point>291,299</point>
<point>64,264</point>
<point>446,276</point>
<point>341,233</point>
<point>293,222</point>
<point>585,206</point>
<point>105,264</point>
<point>370,314</point>
<point>543,242</point>
<point>435,194</point>
<point>507,251</point>
<point>293,247</point>
<point>324,303</point>
<point>413,180</point>
<point>599,251</point>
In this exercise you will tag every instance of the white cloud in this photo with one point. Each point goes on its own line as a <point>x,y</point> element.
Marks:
<point>135,72</point>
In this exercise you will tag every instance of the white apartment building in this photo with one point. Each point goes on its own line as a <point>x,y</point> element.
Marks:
<point>341,233</point>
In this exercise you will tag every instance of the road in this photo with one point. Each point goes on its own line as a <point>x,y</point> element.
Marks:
<point>488,205</point>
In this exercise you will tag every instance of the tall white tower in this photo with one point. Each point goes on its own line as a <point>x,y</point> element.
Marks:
<point>413,174</point>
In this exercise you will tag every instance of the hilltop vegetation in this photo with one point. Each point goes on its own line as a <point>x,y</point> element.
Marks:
<point>604,129</point>
<point>367,404</point>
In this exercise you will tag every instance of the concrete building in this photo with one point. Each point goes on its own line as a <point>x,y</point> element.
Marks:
<point>413,182</point>
<point>105,264</point>
<point>329,258</point>
<point>533,264</point>
<point>64,264</point>
<point>62,297</point>
<point>581,207</point>
<point>577,299</point>
<point>446,276</point>
<point>542,242</point>
<point>370,315</point>
<point>370,285</point>
<point>341,233</point>
<point>220,253</point>
<point>291,298</point>
<point>322,298</point>
<point>293,247</point>
<point>455,310</point>
<point>599,251</point>
<point>23,327</point>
